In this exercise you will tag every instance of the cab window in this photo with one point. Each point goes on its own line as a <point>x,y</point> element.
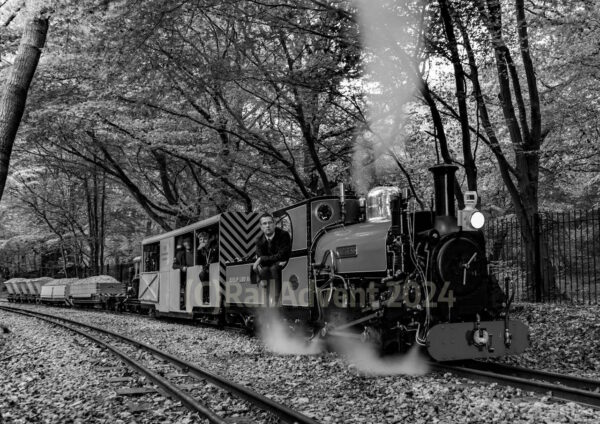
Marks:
<point>150,257</point>
<point>285,223</point>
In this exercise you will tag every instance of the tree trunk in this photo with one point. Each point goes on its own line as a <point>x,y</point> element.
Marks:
<point>102,229</point>
<point>92,223</point>
<point>95,192</point>
<point>461,96</point>
<point>541,278</point>
<point>499,238</point>
<point>14,95</point>
<point>64,258</point>
<point>522,179</point>
<point>441,137</point>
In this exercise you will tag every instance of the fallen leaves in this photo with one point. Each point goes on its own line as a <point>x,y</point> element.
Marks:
<point>327,386</point>
<point>564,338</point>
<point>50,375</point>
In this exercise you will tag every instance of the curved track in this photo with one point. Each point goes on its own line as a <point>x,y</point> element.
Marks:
<point>284,413</point>
<point>562,387</point>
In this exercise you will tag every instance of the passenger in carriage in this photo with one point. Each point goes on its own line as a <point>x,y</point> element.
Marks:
<point>273,248</point>
<point>184,259</point>
<point>207,253</point>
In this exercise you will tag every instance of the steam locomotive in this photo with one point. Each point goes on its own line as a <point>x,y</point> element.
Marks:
<point>375,269</point>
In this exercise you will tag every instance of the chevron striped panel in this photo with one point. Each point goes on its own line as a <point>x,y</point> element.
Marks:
<point>239,232</point>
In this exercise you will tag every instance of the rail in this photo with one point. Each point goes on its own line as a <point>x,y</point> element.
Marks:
<point>584,391</point>
<point>283,412</point>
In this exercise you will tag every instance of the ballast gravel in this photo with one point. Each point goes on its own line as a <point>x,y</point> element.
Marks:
<point>330,387</point>
<point>49,375</point>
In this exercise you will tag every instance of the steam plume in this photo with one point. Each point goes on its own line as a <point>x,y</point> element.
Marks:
<point>368,361</point>
<point>390,32</point>
<point>277,337</point>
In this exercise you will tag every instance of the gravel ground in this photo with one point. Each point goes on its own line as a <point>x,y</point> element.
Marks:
<point>331,388</point>
<point>49,375</point>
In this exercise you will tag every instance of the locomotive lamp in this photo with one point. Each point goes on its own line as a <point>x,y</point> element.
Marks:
<point>469,217</point>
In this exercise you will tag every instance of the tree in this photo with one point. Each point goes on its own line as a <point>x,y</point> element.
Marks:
<point>500,33</point>
<point>206,107</point>
<point>14,93</point>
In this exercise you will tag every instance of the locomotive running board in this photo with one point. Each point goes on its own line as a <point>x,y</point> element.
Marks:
<point>455,341</point>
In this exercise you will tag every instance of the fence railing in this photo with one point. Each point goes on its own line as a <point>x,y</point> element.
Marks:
<point>569,262</point>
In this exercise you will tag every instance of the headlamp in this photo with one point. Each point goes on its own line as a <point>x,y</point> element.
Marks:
<point>477,220</point>
<point>470,218</point>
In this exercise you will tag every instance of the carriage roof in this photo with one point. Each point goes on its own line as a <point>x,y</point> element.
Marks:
<point>183,230</point>
<point>237,233</point>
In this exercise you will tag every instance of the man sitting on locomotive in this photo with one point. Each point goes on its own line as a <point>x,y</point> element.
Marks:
<point>206,254</point>
<point>184,259</point>
<point>273,248</point>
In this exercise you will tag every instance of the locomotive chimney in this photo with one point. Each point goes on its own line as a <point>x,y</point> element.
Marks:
<point>443,185</point>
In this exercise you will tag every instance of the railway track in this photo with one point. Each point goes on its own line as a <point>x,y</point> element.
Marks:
<point>562,387</point>
<point>282,412</point>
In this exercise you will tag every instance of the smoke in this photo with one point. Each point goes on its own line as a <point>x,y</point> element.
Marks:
<point>367,360</point>
<point>277,337</point>
<point>391,37</point>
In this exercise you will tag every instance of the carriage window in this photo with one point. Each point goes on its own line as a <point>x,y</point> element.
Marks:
<point>207,244</point>
<point>182,239</point>
<point>150,257</point>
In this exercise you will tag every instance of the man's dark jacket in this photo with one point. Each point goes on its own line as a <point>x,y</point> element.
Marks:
<point>278,249</point>
<point>207,255</point>
<point>183,258</point>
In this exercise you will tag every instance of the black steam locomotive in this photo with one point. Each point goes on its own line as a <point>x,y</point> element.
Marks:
<point>373,268</point>
<point>436,290</point>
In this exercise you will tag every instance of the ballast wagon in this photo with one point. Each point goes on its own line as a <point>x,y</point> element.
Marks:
<point>57,291</point>
<point>101,291</point>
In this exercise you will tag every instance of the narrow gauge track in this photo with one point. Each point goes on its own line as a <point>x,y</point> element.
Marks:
<point>284,413</point>
<point>563,387</point>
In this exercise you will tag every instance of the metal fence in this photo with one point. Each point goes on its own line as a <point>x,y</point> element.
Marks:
<point>571,259</point>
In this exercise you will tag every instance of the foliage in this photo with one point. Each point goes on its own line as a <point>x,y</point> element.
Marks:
<point>184,109</point>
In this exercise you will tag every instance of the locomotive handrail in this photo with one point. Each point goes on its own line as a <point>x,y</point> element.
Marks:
<point>319,234</point>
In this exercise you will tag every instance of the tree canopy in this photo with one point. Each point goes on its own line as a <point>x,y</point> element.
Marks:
<point>144,116</point>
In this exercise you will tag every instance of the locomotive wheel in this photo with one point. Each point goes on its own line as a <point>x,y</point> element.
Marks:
<point>461,261</point>
<point>221,321</point>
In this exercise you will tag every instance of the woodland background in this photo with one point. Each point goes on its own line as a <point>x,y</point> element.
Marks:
<point>144,116</point>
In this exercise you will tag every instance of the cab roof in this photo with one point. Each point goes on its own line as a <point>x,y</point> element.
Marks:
<point>179,231</point>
